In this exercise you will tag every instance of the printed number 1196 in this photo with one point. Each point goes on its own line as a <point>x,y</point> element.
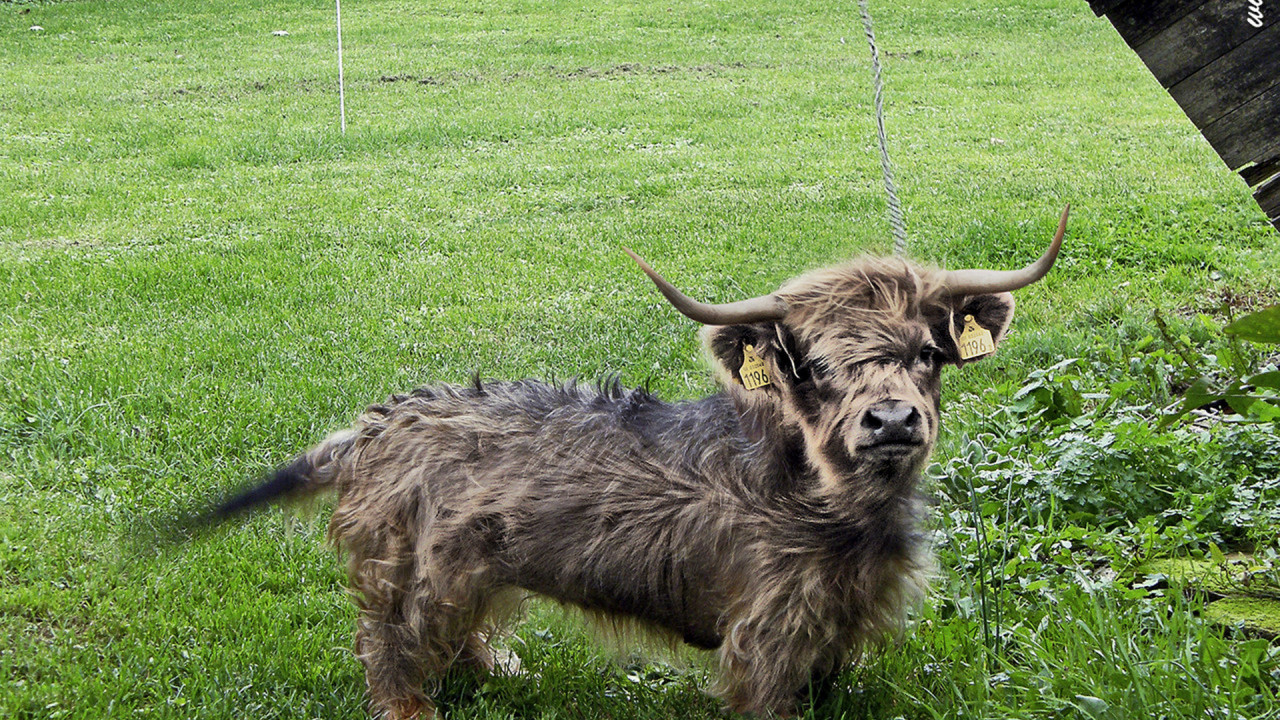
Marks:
<point>754,378</point>
<point>981,345</point>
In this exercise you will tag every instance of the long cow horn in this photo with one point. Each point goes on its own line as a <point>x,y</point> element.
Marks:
<point>978,282</point>
<point>765,307</point>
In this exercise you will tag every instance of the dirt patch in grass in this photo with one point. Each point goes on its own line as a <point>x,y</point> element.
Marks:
<point>632,69</point>
<point>586,72</point>
<point>1238,302</point>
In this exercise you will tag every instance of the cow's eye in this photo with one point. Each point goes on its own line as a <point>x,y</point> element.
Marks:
<point>929,355</point>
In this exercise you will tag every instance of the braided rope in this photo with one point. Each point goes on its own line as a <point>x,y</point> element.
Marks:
<point>890,188</point>
<point>342,86</point>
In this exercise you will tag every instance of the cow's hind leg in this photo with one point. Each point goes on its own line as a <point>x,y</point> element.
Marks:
<point>387,643</point>
<point>392,670</point>
<point>410,639</point>
<point>424,589</point>
<point>405,635</point>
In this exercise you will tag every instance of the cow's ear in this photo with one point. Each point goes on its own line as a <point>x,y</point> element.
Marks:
<point>758,405</point>
<point>727,346</point>
<point>981,314</point>
<point>772,343</point>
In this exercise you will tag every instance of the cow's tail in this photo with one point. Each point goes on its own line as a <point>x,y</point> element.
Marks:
<point>312,472</point>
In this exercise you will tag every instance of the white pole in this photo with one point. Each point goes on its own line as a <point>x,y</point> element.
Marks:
<point>342,92</point>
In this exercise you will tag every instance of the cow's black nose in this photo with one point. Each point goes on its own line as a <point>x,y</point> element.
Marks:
<point>892,422</point>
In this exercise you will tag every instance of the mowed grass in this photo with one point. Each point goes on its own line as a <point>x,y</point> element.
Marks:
<point>200,275</point>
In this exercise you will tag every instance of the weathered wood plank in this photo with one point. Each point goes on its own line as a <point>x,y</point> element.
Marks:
<point>1199,38</point>
<point>1268,197</point>
<point>1233,79</point>
<point>1138,21</point>
<point>1250,133</point>
<point>1256,174</point>
<point>1102,7</point>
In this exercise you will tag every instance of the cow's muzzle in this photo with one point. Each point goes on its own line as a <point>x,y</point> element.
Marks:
<point>891,425</point>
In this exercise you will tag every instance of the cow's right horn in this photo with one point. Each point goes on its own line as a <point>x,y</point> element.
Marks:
<point>979,282</point>
<point>758,309</point>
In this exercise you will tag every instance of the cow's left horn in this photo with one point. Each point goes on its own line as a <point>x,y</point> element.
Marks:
<point>978,282</point>
<point>758,309</point>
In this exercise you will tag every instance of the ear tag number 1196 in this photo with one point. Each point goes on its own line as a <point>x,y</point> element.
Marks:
<point>754,372</point>
<point>975,340</point>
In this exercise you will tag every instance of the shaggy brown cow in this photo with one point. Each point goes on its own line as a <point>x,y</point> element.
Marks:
<point>776,523</point>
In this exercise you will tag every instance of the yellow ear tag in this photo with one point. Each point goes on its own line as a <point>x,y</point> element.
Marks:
<point>754,373</point>
<point>975,340</point>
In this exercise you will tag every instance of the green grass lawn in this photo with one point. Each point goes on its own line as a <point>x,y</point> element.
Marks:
<point>200,276</point>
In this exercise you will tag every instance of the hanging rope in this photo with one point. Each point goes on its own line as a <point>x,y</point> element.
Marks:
<point>891,189</point>
<point>342,87</point>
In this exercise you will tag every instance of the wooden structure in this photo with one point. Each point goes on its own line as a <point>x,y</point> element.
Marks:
<point>1221,61</point>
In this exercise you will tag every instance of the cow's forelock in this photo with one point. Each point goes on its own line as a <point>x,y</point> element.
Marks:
<point>889,369</point>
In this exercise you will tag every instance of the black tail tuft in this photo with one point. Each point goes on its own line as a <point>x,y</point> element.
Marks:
<point>160,531</point>
<point>309,473</point>
<point>282,483</point>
